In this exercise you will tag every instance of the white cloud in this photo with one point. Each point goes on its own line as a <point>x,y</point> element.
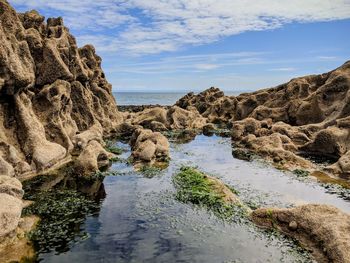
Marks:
<point>154,26</point>
<point>283,69</point>
<point>206,66</point>
<point>328,58</point>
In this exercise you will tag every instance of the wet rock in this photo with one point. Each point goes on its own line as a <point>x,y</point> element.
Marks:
<point>209,129</point>
<point>11,194</point>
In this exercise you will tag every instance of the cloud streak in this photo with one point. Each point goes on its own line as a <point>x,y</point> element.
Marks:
<point>153,26</point>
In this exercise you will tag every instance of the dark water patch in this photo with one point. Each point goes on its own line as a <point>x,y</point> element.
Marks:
<point>181,136</point>
<point>321,159</point>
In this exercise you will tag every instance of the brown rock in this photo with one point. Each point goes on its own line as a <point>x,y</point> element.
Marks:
<point>324,229</point>
<point>149,146</point>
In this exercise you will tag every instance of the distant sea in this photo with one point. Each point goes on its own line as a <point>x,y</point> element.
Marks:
<point>146,98</point>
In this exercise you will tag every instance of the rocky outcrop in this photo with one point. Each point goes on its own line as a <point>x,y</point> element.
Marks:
<point>148,146</point>
<point>323,229</point>
<point>55,105</point>
<point>306,116</point>
<point>53,94</point>
<point>169,118</point>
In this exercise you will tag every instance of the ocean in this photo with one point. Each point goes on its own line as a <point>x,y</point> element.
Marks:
<point>152,98</point>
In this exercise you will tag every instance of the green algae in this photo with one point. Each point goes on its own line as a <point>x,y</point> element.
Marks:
<point>301,173</point>
<point>61,212</point>
<point>111,147</point>
<point>194,187</point>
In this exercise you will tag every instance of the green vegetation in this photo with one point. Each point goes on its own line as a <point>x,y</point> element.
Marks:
<point>150,171</point>
<point>61,213</point>
<point>111,147</point>
<point>194,187</point>
<point>301,173</point>
<point>96,176</point>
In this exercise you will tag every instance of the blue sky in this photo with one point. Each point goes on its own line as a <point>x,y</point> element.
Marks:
<point>190,45</point>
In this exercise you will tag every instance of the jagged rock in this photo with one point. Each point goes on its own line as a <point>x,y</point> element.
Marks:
<point>185,119</point>
<point>308,115</point>
<point>324,229</point>
<point>149,146</point>
<point>55,102</point>
<point>331,141</point>
<point>17,68</point>
<point>51,92</point>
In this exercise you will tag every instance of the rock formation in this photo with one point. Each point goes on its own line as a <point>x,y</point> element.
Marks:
<point>55,105</point>
<point>306,116</point>
<point>170,118</point>
<point>149,146</point>
<point>54,98</point>
<point>323,229</point>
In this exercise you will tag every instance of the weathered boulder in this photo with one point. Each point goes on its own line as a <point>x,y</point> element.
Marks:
<point>172,118</point>
<point>148,146</point>
<point>92,158</point>
<point>11,194</point>
<point>11,186</point>
<point>324,229</point>
<point>10,214</point>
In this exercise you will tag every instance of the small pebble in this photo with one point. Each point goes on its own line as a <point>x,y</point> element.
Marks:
<point>293,225</point>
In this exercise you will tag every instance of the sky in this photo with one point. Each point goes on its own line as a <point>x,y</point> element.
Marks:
<point>190,45</point>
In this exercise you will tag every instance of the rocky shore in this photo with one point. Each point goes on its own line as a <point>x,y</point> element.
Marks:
<point>56,107</point>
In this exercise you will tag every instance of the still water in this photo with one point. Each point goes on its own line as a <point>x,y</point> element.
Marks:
<point>141,221</point>
<point>153,98</point>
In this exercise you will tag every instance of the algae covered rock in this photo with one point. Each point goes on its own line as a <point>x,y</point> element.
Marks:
<point>200,189</point>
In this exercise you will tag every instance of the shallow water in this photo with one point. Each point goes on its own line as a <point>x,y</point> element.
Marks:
<point>140,221</point>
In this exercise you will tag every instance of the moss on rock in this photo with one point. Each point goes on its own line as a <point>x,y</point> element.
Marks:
<point>200,189</point>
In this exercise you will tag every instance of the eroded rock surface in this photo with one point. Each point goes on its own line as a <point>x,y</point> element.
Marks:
<point>54,98</point>
<point>324,229</point>
<point>167,118</point>
<point>306,116</point>
<point>149,146</point>
<point>11,194</point>
<point>55,103</point>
